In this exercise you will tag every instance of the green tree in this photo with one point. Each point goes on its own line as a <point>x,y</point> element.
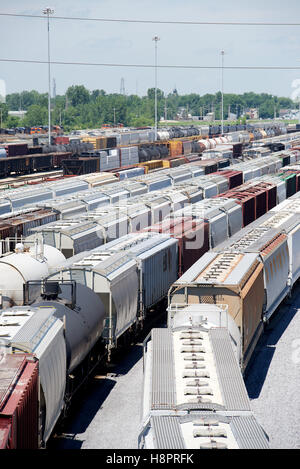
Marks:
<point>77,94</point>
<point>36,115</point>
<point>92,109</point>
<point>151,93</point>
<point>13,121</point>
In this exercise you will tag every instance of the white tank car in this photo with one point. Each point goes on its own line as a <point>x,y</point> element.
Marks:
<point>25,264</point>
<point>60,335</point>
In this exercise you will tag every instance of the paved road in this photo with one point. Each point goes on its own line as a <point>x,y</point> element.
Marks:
<point>108,417</point>
<point>273,381</point>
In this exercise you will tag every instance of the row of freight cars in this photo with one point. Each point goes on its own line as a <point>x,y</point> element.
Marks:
<point>89,192</point>
<point>29,164</point>
<point>13,200</point>
<point>76,144</point>
<point>228,146</point>
<point>86,309</point>
<point>68,199</point>
<point>97,161</point>
<point>210,221</point>
<point>144,136</point>
<point>215,156</point>
<point>101,153</point>
<point>259,130</point>
<point>89,161</point>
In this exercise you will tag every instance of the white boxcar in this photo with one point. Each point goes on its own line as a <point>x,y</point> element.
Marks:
<point>157,261</point>
<point>115,279</point>
<point>70,236</point>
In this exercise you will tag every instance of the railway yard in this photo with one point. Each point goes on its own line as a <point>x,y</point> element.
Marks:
<point>149,289</point>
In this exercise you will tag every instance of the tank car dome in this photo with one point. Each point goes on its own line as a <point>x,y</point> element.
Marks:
<point>53,257</point>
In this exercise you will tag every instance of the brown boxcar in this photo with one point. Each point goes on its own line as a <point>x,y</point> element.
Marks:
<point>232,279</point>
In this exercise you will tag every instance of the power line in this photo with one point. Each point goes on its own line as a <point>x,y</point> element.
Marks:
<point>124,20</point>
<point>228,67</point>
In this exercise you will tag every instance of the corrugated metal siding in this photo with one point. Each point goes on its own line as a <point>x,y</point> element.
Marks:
<point>160,267</point>
<point>168,434</point>
<point>35,329</point>
<point>232,384</point>
<point>248,433</point>
<point>163,392</point>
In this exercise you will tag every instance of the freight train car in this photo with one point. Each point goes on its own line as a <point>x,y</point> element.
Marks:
<point>194,395</point>
<point>29,261</point>
<point>29,164</point>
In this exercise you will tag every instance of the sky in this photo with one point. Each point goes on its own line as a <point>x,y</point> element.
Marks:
<point>131,43</point>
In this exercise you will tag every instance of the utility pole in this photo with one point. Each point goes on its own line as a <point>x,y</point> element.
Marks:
<point>49,12</point>
<point>222,79</point>
<point>122,86</point>
<point>166,109</point>
<point>155,39</point>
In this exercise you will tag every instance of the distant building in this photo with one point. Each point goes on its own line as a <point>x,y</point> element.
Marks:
<point>210,116</point>
<point>232,117</point>
<point>253,113</point>
<point>284,112</point>
<point>20,114</point>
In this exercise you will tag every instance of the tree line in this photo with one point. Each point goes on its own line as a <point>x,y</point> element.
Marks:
<point>80,108</point>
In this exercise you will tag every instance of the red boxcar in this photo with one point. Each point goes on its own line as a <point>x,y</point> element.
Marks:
<point>246,200</point>
<point>19,397</point>
<point>62,140</point>
<point>192,235</point>
<point>260,195</point>
<point>235,178</point>
<point>16,149</point>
